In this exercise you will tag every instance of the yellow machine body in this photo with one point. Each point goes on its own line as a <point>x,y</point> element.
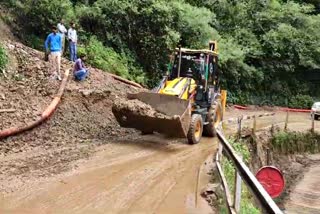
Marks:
<point>181,87</point>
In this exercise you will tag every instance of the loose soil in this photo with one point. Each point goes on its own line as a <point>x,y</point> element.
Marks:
<point>136,107</point>
<point>82,121</point>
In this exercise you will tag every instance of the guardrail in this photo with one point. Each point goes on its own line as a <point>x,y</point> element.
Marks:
<point>242,172</point>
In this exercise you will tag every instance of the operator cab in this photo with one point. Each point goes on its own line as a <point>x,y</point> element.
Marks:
<point>201,66</point>
<point>192,66</point>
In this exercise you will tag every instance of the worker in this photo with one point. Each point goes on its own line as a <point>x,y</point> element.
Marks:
<point>80,72</point>
<point>73,39</point>
<point>63,32</point>
<point>54,40</point>
<point>189,73</point>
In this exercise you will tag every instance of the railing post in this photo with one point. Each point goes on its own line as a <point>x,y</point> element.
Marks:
<point>268,157</point>
<point>254,125</point>
<point>239,126</point>
<point>286,122</point>
<point>272,125</point>
<point>312,123</point>
<point>237,191</point>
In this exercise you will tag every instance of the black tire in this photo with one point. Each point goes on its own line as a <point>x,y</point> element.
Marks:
<point>195,129</point>
<point>215,115</point>
<point>316,117</point>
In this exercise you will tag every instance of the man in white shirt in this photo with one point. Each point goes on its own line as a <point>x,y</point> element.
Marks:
<point>63,32</point>
<point>73,39</point>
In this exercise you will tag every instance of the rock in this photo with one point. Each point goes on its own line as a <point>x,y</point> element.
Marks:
<point>296,166</point>
<point>11,47</point>
<point>86,92</point>
<point>210,189</point>
<point>2,96</point>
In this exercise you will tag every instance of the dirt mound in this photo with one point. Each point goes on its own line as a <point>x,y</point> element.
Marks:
<point>136,107</point>
<point>82,121</point>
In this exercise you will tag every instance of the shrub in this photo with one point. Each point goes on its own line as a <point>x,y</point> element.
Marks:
<point>3,58</point>
<point>301,101</point>
<point>107,59</point>
<point>34,41</point>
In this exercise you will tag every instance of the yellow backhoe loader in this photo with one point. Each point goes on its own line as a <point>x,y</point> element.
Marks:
<point>189,95</point>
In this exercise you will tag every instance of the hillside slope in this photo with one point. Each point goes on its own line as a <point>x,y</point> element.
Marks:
<point>82,121</point>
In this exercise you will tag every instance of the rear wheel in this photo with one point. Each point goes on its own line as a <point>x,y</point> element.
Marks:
<point>316,117</point>
<point>195,129</point>
<point>214,117</point>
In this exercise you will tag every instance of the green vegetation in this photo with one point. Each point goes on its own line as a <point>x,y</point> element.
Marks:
<point>302,101</point>
<point>267,48</point>
<point>106,58</point>
<point>3,58</point>
<point>247,206</point>
<point>295,143</point>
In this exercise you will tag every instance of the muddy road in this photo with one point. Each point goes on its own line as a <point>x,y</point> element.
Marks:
<point>126,177</point>
<point>150,174</point>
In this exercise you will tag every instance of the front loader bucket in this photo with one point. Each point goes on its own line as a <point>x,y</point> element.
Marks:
<point>175,123</point>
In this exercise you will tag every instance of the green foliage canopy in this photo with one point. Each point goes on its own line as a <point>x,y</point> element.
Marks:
<point>266,47</point>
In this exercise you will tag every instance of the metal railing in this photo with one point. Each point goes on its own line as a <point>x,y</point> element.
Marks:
<point>242,172</point>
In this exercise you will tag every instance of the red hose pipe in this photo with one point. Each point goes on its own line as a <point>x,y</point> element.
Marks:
<point>44,116</point>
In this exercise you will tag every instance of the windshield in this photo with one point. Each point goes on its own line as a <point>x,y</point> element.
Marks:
<point>191,66</point>
<point>316,105</point>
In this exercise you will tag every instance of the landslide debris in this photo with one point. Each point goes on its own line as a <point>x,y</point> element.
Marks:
<point>82,122</point>
<point>136,107</point>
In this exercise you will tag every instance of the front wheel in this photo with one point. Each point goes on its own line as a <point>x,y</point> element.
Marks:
<point>195,129</point>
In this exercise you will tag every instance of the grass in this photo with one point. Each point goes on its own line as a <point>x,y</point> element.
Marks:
<point>295,142</point>
<point>3,58</point>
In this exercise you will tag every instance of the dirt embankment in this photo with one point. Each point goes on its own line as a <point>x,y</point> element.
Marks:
<point>292,166</point>
<point>83,120</point>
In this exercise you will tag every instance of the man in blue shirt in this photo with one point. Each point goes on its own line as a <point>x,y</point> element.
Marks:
<point>55,42</point>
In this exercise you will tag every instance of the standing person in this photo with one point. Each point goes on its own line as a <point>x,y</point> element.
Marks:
<point>73,39</point>
<point>54,40</point>
<point>80,72</point>
<point>63,32</point>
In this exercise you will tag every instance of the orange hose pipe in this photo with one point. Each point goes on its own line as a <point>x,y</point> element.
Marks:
<point>44,116</point>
